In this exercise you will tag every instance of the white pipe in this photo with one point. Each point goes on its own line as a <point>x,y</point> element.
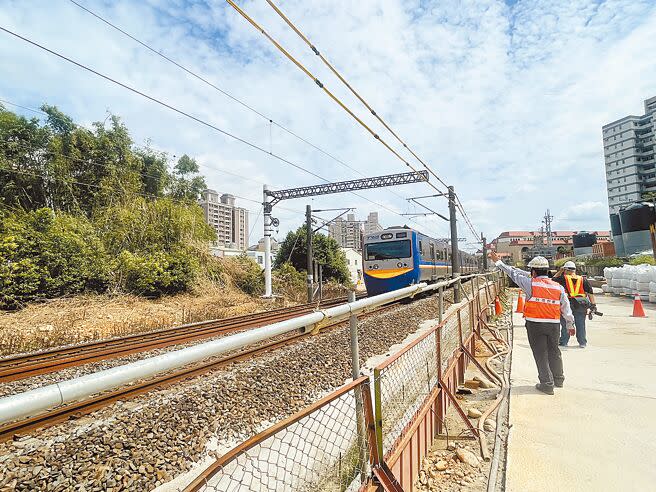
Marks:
<point>40,399</point>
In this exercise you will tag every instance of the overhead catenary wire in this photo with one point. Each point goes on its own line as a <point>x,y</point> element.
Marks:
<point>322,86</point>
<point>332,68</point>
<point>350,87</point>
<point>213,85</point>
<point>180,112</point>
<point>307,72</point>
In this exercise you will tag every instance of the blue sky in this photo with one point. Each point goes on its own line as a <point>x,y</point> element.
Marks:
<point>505,100</point>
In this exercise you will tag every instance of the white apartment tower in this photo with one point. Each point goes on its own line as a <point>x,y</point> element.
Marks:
<point>371,225</point>
<point>349,233</point>
<point>229,221</point>
<point>629,156</point>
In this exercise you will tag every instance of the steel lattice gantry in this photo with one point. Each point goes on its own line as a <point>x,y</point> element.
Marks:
<point>271,197</point>
<point>344,186</point>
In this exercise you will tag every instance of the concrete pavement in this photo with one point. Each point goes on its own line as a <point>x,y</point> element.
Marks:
<point>598,433</point>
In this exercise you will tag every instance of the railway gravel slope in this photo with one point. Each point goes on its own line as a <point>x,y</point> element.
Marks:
<point>143,443</point>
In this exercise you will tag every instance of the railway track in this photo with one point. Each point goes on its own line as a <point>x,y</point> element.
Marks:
<point>78,409</point>
<point>37,363</point>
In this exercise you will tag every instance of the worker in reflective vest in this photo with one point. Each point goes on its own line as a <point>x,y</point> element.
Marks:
<point>546,302</point>
<point>581,299</point>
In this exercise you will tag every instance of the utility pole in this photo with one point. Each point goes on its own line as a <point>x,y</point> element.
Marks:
<point>548,218</point>
<point>484,252</point>
<point>308,226</point>
<point>455,260</point>
<point>267,242</point>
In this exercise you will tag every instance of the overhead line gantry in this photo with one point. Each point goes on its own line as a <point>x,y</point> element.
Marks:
<point>272,197</point>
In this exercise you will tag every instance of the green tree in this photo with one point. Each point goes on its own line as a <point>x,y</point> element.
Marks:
<point>44,254</point>
<point>24,166</point>
<point>325,250</point>
<point>186,182</point>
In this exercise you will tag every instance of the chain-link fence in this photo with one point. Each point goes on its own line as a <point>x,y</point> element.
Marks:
<point>327,446</point>
<point>324,447</point>
<point>401,384</point>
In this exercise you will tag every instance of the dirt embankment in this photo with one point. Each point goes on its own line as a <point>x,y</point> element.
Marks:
<point>80,319</point>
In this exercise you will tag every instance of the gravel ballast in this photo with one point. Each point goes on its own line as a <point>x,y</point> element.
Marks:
<point>145,442</point>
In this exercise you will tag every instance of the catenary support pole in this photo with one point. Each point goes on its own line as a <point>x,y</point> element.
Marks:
<point>267,243</point>
<point>484,252</point>
<point>455,257</point>
<point>308,238</point>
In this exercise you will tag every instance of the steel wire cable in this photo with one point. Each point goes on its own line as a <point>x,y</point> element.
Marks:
<point>257,26</point>
<point>353,91</point>
<point>198,120</point>
<point>323,87</point>
<point>270,120</point>
<point>67,180</point>
<point>364,102</point>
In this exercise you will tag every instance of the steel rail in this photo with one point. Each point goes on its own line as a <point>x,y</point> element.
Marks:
<point>40,400</point>
<point>84,407</point>
<point>44,362</point>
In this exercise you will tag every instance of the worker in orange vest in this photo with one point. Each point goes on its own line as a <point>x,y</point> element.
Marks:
<point>546,302</point>
<point>581,299</point>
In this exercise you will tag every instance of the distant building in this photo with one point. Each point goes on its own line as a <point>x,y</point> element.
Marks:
<point>259,257</point>
<point>275,245</point>
<point>517,245</point>
<point>354,263</point>
<point>371,225</point>
<point>257,251</point>
<point>229,221</point>
<point>629,158</point>
<point>349,232</point>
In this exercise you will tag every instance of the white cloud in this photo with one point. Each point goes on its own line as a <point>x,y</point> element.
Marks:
<point>502,100</point>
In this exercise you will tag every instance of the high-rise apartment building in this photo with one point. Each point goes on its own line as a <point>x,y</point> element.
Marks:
<point>349,233</point>
<point>371,225</point>
<point>229,221</point>
<point>629,156</point>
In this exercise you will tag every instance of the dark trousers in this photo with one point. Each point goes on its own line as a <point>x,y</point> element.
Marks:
<point>543,339</point>
<point>579,324</point>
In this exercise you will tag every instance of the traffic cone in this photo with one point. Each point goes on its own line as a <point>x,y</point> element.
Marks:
<point>638,310</point>
<point>520,303</point>
<point>497,306</point>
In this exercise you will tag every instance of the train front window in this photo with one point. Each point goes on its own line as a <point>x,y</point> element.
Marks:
<point>388,250</point>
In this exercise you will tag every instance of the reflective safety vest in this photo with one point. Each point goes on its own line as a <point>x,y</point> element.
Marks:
<point>574,285</point>
<point>544,304</point>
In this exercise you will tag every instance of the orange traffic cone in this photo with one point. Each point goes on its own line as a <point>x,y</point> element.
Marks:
<point>638,310</point>
<point>497,306</point>
<point>520,303</point>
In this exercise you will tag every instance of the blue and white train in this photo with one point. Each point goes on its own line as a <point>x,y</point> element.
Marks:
<point>399,256</point>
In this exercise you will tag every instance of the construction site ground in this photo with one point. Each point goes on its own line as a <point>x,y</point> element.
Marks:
<point>596,433</point>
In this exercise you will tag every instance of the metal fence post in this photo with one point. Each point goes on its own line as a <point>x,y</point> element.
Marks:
<point>378,412</point>
<point>355,372</point>
<point>440,304</point>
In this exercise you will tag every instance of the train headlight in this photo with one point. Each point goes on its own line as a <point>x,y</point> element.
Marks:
<point>375,267</point>
<point>399,264</point>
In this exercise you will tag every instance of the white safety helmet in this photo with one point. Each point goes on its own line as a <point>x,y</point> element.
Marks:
<point>539,262</point>
<point>569,265</point>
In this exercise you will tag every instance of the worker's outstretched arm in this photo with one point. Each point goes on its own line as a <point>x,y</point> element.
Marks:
<point>520,277</point>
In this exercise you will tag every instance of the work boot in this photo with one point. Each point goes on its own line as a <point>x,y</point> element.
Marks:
<point>558,384</point>
<point>544,388</point>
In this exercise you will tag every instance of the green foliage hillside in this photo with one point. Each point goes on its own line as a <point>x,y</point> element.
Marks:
<point>85,210</point>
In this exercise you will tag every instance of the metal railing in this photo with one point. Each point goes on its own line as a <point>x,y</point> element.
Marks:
<point>339,442</point>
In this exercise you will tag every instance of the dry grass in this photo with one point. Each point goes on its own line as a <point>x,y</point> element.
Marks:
<point>67,321</point>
